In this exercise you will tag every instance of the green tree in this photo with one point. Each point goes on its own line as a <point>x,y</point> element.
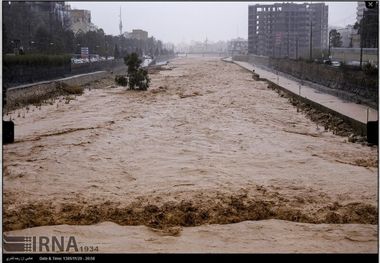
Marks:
<point>42,39</point>
<point>335,38</point>
<point>137,77</point>
<point>116,53</point>
<point>369,28</point>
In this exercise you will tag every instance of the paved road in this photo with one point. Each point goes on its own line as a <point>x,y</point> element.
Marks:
<point>355,111</point>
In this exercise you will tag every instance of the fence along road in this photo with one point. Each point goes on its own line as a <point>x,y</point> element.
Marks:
<point>358,112</point>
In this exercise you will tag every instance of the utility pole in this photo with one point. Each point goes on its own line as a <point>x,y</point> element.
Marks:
<point>361,48</point>
<point>329,44</point>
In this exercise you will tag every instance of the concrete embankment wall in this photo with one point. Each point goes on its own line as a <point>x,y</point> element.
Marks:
<point>360,86</point>
<point>252,59</point>
<point>20,94</point>
<point>359,127</point>
<point>24,74</point>
<point>164,58</point>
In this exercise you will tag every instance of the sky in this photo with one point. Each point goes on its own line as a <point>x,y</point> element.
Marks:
<point>177,22</point>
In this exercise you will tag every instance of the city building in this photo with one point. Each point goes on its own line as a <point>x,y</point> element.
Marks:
<point>22,19</point>
<point>138,34</point>
<point>50,9</point>
<point>347,35</point>
<point>80,20</point>
<point>360,11</point>
<point>287,29</point>
<point>238,46</point>
<point>371,40</point>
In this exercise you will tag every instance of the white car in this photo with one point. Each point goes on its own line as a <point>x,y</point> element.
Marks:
<point>77,61</point>
<point>335,63</point>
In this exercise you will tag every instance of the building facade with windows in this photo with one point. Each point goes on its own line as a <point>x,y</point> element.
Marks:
<point>287,29</point>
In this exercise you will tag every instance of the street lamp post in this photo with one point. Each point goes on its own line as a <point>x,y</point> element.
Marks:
<point>361,50</point>
<point>329,45</point>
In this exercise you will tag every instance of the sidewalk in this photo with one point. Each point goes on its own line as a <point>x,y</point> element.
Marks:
<point>352,110</point>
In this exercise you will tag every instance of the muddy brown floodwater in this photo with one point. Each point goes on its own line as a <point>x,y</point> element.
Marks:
<point>206,160</point>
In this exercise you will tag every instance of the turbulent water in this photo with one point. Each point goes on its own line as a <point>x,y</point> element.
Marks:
<point>205,145</point>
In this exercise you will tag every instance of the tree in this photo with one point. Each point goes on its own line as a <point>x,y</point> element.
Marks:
<point>137,77</point>
<point>116,52</point>
<point>335,38</point>
<point>5,40</point>
<point>369,28</point>
<point>42,39</point>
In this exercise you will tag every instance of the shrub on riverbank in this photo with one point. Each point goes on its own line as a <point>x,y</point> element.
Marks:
<point>137,77</point>
<point>121,80</point>
<point>71,89</point>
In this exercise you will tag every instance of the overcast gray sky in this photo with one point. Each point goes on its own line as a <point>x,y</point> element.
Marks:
<point>185,21</point>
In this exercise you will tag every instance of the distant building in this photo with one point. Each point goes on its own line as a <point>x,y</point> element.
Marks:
<point>347,35</point>
<point>138,34</point>
<point>372,40</point>
<point>126,35</point>
<point>286,29</point>
<point>80,20</point>
<point>360,11</point>
<point>56,9</point>
<point>238,46</point>
<point>355,40</point>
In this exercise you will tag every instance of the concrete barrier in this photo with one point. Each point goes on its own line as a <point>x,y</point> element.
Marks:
<point>358,127</point>
<point>21,93</point>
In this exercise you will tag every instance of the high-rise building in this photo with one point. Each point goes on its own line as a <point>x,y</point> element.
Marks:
<point>287,29</point>
<point>360,11</point>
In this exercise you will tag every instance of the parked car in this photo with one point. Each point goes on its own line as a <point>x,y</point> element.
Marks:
<point>327,61</point>
<point>336,63</point>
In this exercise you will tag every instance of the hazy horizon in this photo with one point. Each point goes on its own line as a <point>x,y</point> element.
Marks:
<point>178,22</point>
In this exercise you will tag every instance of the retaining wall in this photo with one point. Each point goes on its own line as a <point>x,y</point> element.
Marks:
<point>359,127</point>
<point>18,74</point>
<point>21,93</point>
